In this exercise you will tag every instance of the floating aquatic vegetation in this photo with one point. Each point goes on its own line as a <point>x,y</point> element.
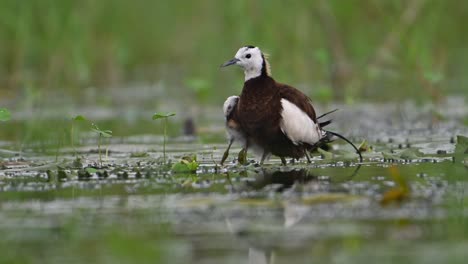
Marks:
<point>188,164</point>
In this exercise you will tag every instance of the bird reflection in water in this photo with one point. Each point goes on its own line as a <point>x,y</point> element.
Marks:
<point>262,245</point>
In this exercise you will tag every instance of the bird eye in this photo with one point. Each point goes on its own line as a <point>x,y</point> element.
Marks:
<point>248,56</point>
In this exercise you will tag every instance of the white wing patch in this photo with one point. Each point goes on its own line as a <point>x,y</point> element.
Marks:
<point>297,125</point>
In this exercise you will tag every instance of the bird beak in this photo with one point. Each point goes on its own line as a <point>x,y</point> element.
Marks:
<point>231,62</point>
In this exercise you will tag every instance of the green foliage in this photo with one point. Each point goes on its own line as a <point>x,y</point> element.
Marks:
<point>187,164</point>
<point>5,115</point>
<point>103,133</point>
<point>75,44</point>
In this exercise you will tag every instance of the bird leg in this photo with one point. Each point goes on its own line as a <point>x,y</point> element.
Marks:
<point>283,161</point>
<point>263,157</point>
<point>242,156</point>
<point>226,152</point>
<point>307,156</point>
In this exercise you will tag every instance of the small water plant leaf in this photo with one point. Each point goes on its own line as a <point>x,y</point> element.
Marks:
<point>184,167</point>
<point>163,115</point>
<point>79,118</point>
<point>364,146</point>
<point>104,133</point>
<point>91,170</point>
<point>5,115</point>
<point>189,158</point>
<point>192,166</point>
<point>186,164</point>
<point>325,154</point>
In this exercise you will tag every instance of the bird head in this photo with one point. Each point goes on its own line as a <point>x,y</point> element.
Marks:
<point>252,60</point>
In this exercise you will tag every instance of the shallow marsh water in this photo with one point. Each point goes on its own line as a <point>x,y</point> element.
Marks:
<point>133,209</point>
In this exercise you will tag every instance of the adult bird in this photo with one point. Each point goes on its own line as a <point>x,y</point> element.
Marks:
<point>276,118</point>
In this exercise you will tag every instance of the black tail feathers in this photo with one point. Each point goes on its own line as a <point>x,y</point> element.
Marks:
<point>328,137</point>
<point>329,134</point>
<point>327,113</point>
<point>325,123</point>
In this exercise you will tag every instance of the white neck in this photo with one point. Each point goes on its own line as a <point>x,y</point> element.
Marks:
<point>252,73</point>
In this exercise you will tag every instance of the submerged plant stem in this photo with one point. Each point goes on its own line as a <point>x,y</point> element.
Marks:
<point>71,140</point>
<point>164,141</point>
<point>99,149</point>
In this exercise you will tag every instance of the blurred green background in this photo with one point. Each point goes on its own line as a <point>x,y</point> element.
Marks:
<point>333,50</point>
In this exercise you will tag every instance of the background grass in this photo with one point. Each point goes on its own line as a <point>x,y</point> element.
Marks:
<point>333,50</point>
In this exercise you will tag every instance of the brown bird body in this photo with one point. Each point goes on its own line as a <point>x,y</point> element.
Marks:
<point>275,118</point>
<point>259,115</point>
